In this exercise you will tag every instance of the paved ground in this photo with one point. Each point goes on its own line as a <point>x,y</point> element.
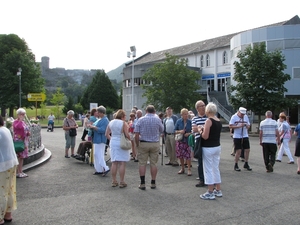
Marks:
<point>64,191</point>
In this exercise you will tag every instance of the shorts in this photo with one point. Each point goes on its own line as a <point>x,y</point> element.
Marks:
<point>148,150</point>
<point>241,143</point>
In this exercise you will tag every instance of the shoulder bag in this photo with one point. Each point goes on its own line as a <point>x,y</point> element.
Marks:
<point>198,149</point>
<point>179,136</point>
<point>19,146</point>
<point>281,140</point>
<point>125,142</point>
<point>72,131</point>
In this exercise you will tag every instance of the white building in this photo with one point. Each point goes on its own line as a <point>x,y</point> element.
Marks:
<point>214,58</point>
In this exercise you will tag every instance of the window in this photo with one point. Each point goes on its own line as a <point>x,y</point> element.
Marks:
<point>127,83</point>
<point>296,72</point>
<point>225,57</point>
<point>207,60</point>
<point>137,81</point>
<point>201,61</point>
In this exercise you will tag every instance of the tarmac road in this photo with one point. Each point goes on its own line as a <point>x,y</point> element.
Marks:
<point>64,191</point>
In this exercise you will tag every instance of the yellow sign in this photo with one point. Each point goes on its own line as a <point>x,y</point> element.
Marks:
<point>36,97</point>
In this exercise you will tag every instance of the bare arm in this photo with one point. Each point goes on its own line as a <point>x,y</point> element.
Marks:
<point>137,139</point>
<point>206,129</point>
<point>108,132</point>
<point>125,130</point>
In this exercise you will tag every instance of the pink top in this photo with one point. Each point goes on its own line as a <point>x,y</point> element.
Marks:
<point>21,132</point>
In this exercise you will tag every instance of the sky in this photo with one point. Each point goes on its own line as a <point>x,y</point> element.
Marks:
<point>97,34</point>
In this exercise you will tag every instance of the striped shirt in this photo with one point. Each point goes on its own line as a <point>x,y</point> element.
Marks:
<point>198,120</point>
<point>149,128</point>
<point>268,128</point>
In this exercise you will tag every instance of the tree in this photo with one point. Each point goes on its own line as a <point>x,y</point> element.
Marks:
<point>58,99</point>
<point>171,83</point>
<point>43,110</point>
<point>69,105</point>
<point>14,54</point>
<point>100,91</point>
<point>260,81</point>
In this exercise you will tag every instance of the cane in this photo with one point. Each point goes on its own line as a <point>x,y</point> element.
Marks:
<point>162,150</point>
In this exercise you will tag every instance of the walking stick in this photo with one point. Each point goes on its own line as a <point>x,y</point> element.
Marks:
<point>162,150</point>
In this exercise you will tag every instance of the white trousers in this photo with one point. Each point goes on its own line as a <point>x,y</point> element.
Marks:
<point>284,147</point>
<point>99,160</point>
<point>211,161</point>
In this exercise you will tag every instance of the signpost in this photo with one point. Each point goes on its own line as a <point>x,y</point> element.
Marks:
<point>36,97</point>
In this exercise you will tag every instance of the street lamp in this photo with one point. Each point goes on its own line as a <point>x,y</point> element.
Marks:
<point>20,92</point>
<point>133,54</point>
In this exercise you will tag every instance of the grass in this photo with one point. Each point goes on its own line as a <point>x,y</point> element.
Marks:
<point>32,113</point>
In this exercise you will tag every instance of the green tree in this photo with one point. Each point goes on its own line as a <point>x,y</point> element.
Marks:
<point>43,110</point>
<point>171,83</point>
<point>260,81</point>
<point>100,91</point>
<point>58,99</point>
<point>14,54</point>
<point>69,105</point>
<point>78,108</point>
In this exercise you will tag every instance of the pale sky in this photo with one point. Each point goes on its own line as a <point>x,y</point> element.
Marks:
<point>96,34</point>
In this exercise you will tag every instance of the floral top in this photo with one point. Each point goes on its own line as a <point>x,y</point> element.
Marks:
<point>21,133</point>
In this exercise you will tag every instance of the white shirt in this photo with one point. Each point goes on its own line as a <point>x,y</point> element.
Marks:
<point>51,117</point>
<point>241,132</point>
<point>268,127</point>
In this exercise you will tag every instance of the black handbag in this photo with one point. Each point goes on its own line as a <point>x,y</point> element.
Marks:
<point>198,149</point>
<point>72,131</point>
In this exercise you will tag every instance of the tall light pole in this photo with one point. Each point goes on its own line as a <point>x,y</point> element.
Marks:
<point>20,90</point>
<point>133,54</point>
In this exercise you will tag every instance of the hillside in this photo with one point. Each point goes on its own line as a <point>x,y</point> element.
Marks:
<point>116,74</point>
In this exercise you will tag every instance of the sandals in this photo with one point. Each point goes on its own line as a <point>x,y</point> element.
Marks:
<point>181,171</point>
<point>122,185</point>
<point>114,184</point>
<point>189,173</point>
<point>22,175</point>
<point>105,172</point>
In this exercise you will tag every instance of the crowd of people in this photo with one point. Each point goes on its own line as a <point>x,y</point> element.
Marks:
<point>181,137</point>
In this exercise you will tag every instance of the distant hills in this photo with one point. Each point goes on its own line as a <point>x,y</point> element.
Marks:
<point>116,74</point>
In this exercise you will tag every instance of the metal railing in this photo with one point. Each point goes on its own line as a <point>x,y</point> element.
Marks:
<point>35,138</point>
<point>226,114</point>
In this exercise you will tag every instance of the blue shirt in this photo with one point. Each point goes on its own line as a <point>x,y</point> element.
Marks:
<point>99,132</point>
<point>297,129</point>
<point>180,126</point>
<point>149,128</point>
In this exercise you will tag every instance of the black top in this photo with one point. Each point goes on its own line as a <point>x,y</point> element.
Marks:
<point>214,134</point>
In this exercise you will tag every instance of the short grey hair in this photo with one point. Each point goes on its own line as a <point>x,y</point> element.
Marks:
<point>211,108</point>
<point>268,113</point>
<point>70,112</point>
<point>21,111</point>
<point>101,109</point>
<point>198,103</point>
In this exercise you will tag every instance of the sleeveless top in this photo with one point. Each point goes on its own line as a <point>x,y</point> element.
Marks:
<point>214,134</point>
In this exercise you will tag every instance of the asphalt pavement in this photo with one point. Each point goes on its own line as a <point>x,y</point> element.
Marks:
<point>65,191</point>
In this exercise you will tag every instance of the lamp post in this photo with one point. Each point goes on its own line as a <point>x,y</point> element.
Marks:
<point>133,54</point>
<point>20,91</point>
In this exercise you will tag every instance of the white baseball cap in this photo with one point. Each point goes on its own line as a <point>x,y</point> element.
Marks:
<point>242,110</point>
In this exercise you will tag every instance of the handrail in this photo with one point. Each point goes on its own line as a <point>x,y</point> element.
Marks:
<point>226,114</point>
<point>35,139</point>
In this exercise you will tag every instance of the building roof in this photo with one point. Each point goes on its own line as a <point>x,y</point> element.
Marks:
<point>201,46</point>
